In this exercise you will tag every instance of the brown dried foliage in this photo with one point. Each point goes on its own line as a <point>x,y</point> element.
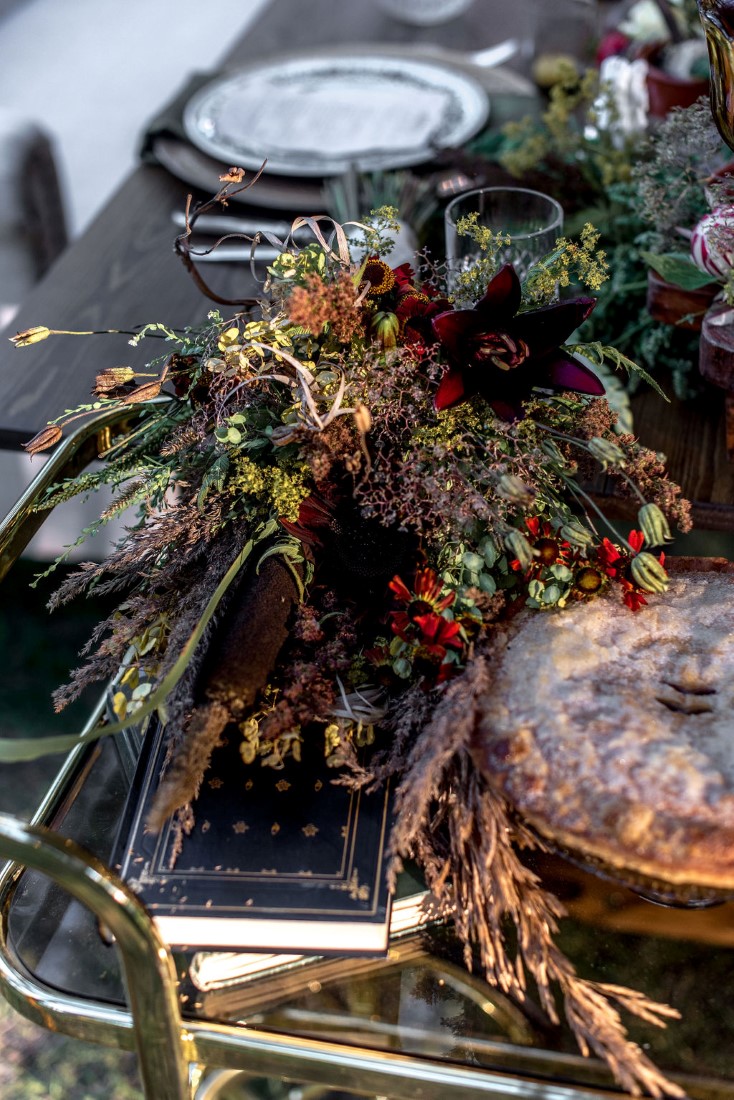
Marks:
<point>318,304</point>
<point>464,835</point>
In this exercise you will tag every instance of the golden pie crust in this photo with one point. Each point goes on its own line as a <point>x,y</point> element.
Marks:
<point>612,732</point>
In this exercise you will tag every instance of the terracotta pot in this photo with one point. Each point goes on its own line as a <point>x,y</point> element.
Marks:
<point>666,91</point>
<point>673,305</point>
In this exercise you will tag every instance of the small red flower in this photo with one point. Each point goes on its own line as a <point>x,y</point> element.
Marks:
<point>612,44</point>
<point>615,563</point>
<point>632,596</point>
<point>636,539</point>
<point>400,589</point>
<point>437,633</point>
<point>401,625</point>
<point>609,558</point>
<point>427,592</point>
<point>424,624</point>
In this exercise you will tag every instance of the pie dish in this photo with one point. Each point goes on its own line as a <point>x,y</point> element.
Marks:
<point>621,754</point>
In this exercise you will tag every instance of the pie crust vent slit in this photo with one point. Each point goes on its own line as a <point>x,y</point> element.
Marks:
<point>687,700</point>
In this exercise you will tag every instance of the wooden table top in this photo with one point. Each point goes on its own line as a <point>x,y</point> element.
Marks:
<point>123,272</point>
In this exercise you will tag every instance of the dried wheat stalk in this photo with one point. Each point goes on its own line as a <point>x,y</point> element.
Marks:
<point>466,838</point>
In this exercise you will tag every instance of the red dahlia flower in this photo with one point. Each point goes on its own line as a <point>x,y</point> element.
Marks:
<point>501,354</point>
<point>416,308</point>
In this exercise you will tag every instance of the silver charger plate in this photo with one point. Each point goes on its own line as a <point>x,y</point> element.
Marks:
<point>321,114</point>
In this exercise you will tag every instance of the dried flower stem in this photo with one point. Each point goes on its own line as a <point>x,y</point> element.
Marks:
<point>467,841</point>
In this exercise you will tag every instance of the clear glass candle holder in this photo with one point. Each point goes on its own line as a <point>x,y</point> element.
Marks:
<point>424,13</point>
<point>533,221</point>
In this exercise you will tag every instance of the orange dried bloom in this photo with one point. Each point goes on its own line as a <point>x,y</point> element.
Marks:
<point>318,304</point>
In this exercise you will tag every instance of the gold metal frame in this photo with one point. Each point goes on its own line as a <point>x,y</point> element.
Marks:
<point>172,1051</point>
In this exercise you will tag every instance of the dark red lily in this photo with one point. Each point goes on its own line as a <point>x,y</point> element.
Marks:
<point>501,354</point>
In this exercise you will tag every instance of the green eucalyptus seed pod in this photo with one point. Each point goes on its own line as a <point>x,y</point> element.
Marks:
<point>515,490</point>
<point>653,525</point>
<point>648,573</point>
<point>385,327</point>
<point>520,548</point>
<point>576,533</point>
<point>606,452</point>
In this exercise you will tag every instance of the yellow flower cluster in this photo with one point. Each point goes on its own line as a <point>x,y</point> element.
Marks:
<point>287,491</point>
<point>583,259</point>
<point>450,429</point>
<point>281,491</point>
<point>472,282</point>
<point>568,133</point>
<point>570,261</point>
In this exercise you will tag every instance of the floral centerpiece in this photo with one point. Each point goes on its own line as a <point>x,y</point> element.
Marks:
<point>420,469</point>
<point>645,191</point>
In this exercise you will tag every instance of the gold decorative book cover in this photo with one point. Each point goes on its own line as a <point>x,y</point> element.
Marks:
<point>276,859</point>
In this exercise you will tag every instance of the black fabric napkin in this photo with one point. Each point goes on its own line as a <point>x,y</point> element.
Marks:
<point>169,120</point>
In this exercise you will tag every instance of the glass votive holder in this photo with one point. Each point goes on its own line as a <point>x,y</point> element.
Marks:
<point>424,13</point>
<point>533,221</point>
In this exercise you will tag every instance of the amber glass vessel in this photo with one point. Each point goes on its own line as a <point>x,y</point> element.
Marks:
<point>717,17</point>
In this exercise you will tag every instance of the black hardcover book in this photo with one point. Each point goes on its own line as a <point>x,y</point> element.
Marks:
<point>278,860</point>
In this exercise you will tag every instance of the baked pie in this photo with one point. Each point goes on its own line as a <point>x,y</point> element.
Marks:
<point>612,733</point>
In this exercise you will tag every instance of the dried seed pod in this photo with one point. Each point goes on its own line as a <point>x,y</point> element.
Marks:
<point>47,437</point>
<point>110,379</point>
<point>362,418</point>
<point>146,392</point>
<point>30,336</point>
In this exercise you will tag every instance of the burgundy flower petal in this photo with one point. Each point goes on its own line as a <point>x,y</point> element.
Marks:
<point>566,373</point>
<point>451,390</point>
<point>507,409</point>
<point>404,276</point>
<point>452,329</point>
<point>501,299</point>
<point>545,328</point>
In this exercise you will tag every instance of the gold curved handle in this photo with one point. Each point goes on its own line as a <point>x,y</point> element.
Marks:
<point>68,459</point>
<point>717,17</point>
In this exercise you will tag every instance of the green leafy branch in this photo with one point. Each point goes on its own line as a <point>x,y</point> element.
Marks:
<point>599,354</point>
